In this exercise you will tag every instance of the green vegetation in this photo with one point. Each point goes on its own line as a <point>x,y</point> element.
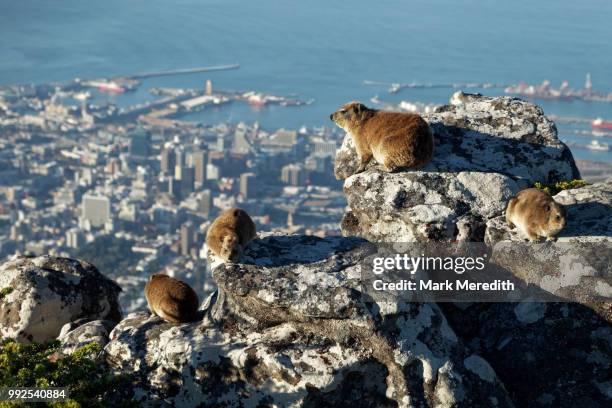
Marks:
<point>4,292</point>
<point>554,188</point>
<point>89,383</point>
<point>109,254</point>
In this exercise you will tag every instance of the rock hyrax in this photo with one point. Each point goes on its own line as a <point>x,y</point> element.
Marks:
<point>171,299</point>
<point>230,233</point>
<point>536,214</point>
<point>395,140</point>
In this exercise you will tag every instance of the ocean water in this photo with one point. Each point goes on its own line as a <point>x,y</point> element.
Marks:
<point>316,49</point>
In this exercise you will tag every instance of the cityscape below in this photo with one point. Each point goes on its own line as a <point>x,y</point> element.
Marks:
<point>137,185</point>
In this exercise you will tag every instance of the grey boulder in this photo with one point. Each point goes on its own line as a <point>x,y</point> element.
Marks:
<point>49,292</point>
<point>291,327</point>
<point>487,149</point>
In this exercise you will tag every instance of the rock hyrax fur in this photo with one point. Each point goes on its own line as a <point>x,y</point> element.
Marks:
<point>536,214</point>
<point>395,140</point>
<point>171,299</point>
<point>230,233</point>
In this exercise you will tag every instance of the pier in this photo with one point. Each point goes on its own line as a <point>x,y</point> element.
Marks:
<point>394,87</point>
<point>184,71</point>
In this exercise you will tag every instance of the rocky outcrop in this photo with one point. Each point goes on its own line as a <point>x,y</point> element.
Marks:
<point>293,324</point>
<point>290,326</point>
<point>487,149</point>
<point>546,354</point>
<point>49,292</point>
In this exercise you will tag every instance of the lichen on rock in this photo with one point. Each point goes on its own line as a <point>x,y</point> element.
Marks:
<point>487,149</point>
<point>49,292</point>
<point>290,326</point>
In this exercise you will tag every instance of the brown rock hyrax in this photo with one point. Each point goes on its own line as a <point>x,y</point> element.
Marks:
<point>171,299</point>
<point>536,214</point>
<point>395,140</point>
<point>230,233</point>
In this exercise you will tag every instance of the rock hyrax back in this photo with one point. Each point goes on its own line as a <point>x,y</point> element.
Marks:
<point>171,299</point>
<point>536,214</point>
<point>230,233</point>
<point>395,140</point>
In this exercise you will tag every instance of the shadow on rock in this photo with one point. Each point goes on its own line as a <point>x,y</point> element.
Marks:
<point>546,354</point>
<point>587,219</point>
<point>299,249</point>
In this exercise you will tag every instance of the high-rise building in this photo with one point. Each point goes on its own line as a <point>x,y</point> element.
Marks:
<point>247,185</point>
<point>140,142</point>
<point>213,172</point>
<point>16,232</point>
<point>96,209</point>
<point>293,174</point>
<point>205,202</point>
<point>174,188</point>
<point>200,161</point>
<point>113,166</point>
<point>75,238</point>
<point>187,238</point>
<point>324,147</point>
<point>221,143</point>
<point>179,156</point>
<point>186,176</point>
<point>318,163</point>
<point>168,160</point>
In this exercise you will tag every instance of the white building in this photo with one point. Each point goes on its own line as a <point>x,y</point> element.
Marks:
<point>96,209</point>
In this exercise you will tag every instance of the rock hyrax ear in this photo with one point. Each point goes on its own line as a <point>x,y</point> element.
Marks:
<point>357,107</point>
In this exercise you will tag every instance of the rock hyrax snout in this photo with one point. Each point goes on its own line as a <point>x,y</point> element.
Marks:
<point>536,214</point>
<point>230,233</point>
<point>395,140</point>
<point>171,299</point>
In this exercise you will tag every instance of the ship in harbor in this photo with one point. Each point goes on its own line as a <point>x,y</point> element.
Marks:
<point>546,91</point>
<point>106,86</point>
<point>598,146</point>
<point>117,85</point>
<point>601,124</point>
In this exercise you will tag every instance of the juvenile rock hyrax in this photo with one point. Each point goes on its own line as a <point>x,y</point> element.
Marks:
<point>171,299</point>
<point>395,140</point>
<point>230,233</point>
<point>536,214</point>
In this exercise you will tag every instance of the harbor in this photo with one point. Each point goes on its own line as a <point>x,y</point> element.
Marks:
<point>543,91</point>
<point>165,109</point>
<point>564,92</point>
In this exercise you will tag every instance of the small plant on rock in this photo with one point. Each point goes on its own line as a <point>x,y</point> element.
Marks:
<point>554,188</point>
